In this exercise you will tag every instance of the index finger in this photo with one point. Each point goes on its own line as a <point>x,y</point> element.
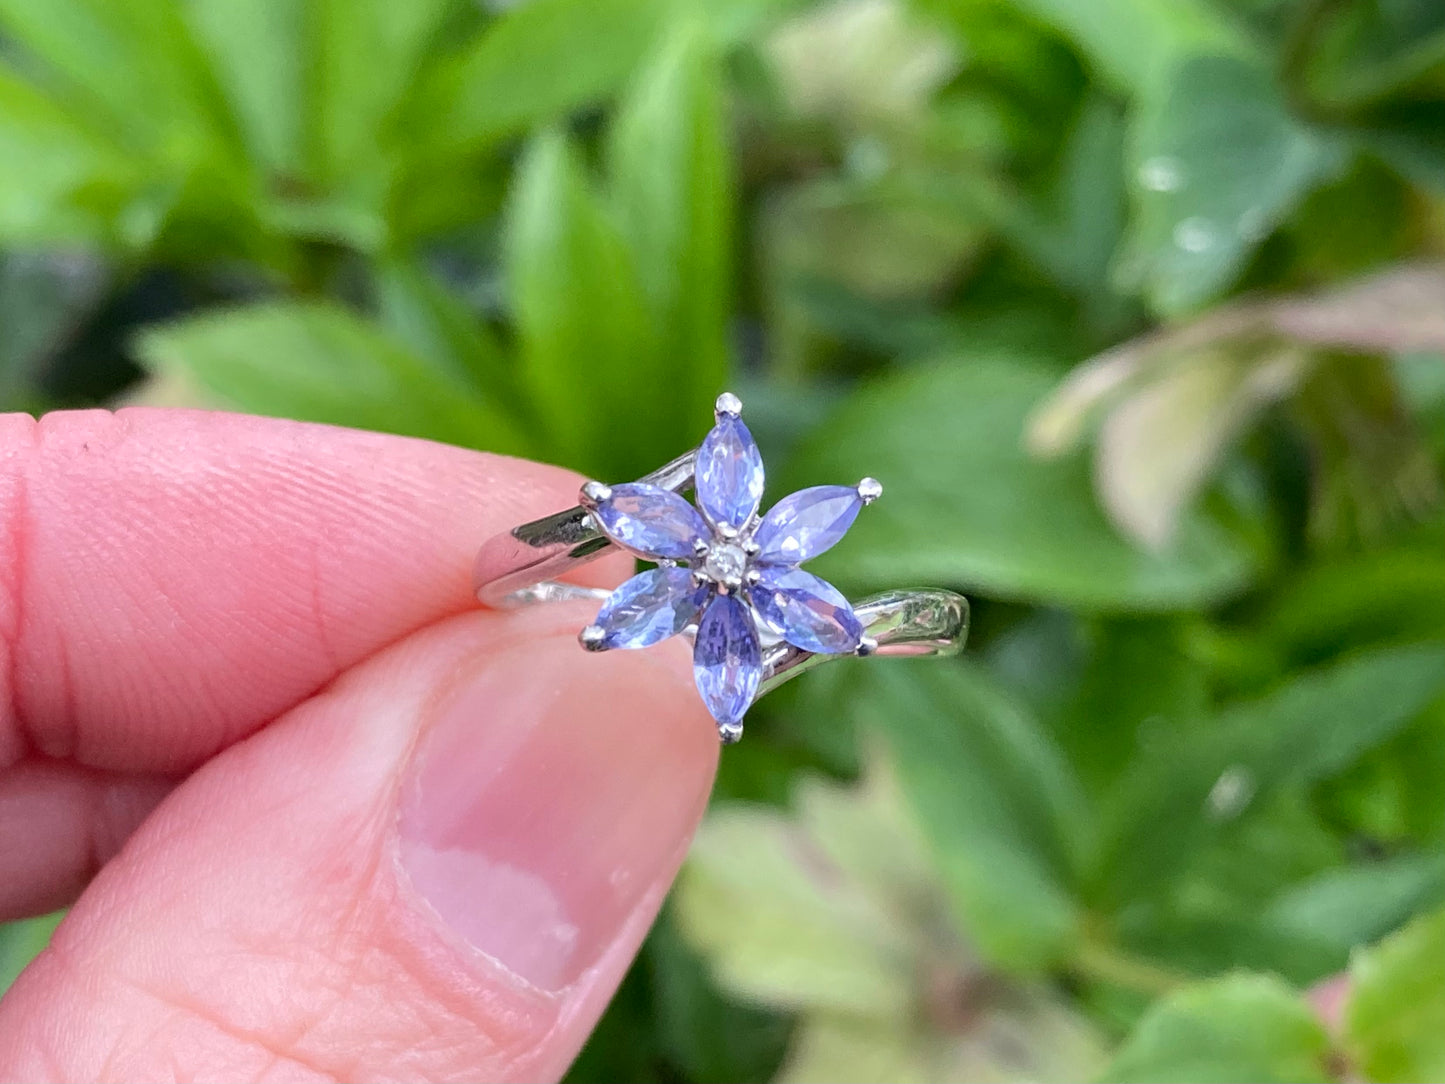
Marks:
<point>171,580</point>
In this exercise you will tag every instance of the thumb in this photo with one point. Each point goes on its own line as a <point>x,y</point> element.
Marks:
<point>437,869</point>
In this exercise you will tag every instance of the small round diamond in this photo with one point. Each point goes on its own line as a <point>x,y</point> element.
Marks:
<point>726,562</point>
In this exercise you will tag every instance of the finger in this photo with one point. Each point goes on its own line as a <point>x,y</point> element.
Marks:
<point>438,869</point>
<point>171,580</point>
<point>59,823</point>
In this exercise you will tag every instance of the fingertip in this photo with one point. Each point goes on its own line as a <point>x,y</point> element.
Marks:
<point>170,580</point>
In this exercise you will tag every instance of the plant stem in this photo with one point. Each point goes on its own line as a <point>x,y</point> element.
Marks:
<point>1100,962</point>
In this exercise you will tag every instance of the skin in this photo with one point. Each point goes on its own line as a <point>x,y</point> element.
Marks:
<point>317,815</point>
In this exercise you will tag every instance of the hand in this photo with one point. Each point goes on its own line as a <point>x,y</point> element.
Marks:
<point>320,817</point>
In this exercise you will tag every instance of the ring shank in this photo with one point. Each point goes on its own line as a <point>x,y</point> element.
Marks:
<point>908,623</point>
<point>521,566</point>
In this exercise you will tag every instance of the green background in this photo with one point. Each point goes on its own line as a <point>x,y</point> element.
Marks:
<point>1134,306</point>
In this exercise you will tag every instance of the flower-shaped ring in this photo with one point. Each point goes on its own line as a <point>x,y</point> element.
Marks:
<point>724,575</point>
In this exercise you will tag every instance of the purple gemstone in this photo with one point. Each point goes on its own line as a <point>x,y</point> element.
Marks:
<point>727,659</point>
<point>729,474</point>
<point>807,612</point>
<point>804,524</point>
<point>650,607</point>
<point>651,521</point>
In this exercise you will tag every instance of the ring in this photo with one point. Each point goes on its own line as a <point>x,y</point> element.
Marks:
<point>725,577</point>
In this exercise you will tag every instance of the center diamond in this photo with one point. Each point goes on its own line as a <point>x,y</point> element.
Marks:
<point>726,562</point>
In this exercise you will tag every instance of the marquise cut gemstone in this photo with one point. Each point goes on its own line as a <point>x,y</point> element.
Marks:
<point>652,521</point>
<point>804,524</point>
<point>727,659</point>
<point>650,607</point>
<point>807,611</point>
<point>729,474</point>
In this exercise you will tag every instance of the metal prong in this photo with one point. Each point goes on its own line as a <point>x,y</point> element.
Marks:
<point>751,548</point>
<point>870,489</point>
<point>753,576</point>
<point>726,530</point>
<point>699,547</point>
<point>867,646</point>
<point>730,732</point>
<point>728,403</point>
<point>593,494</point>
<point>593,638</point>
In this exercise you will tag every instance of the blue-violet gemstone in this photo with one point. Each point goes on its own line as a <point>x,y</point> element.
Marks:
<point>804,524</point>
<point>729,474</point>
<point>650,607</point>
<point>652,521</point>
<point>727,659</point>
<point>807,612</point>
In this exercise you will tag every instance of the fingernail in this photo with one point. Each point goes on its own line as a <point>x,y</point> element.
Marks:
<point>552,793</point>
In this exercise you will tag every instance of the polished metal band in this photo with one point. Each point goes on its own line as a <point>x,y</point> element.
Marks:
<point>522,566</point>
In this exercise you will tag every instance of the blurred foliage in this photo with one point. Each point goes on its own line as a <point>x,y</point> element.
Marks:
<point>1137,307</point>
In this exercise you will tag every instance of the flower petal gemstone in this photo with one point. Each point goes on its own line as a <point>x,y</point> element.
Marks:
<point>727,659</point>
<point>729,474</point>
<point>807,612</point>
<point>652,521</point>
<point>650,607</point>
<point>804,524</point>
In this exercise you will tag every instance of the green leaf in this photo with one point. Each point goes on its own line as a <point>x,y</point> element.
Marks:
<point>1322,721</point>
<point>711,1038</point>
<point>783,932</point>
<point>1344,908</point>
<point>132,66</point>
<point>1219,164</point>
<point>1179,793</point>
<point>1389,595</point>
<point>42,300</point>
<point>1363,52</point>
<point>59,178</point>
<point>1002,812</point>
<point>1247,1028</point>
<point>318,362</point>
<point>588,353</point>
<point>425,315</point>
<point>21,942</point>
<point>965,504</point>
<point>1136,685</point>
<point>1395,1017</point>
<point>671,185</point>
<point>832,1048</point>
<point>1135,43</point>
<point>533,65</point>
<point>365,56</point>
<point>1075,235</point>
<point>259,55</point>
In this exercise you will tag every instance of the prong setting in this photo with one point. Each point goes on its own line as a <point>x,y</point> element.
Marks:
<point>593,638</point>
<point>869,490</point>
<point>728,404</point>
<point>867,646</point>
<point>730,733</point>
<point>594,493</point>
